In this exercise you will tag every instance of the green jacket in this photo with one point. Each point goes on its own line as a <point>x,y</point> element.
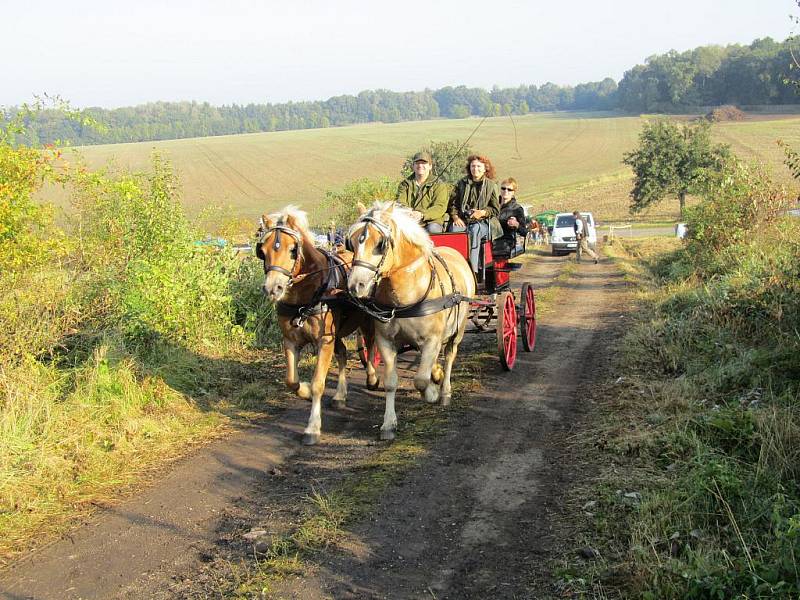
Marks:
<point>431,200</point>
<point>464,198</point>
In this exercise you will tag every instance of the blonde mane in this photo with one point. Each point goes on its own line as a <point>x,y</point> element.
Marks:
<point>300,218</point>
<point>399,219</point>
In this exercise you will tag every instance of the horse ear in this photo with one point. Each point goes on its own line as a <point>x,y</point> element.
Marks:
<point>361,208</point>
<point>265,221</point>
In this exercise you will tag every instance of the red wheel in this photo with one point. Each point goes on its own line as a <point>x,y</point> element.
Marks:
<point>507,330</point>
<point>527,317</point>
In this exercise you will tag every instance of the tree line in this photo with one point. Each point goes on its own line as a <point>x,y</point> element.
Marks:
<point>671,82</point>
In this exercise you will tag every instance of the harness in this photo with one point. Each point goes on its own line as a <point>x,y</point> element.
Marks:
<point>423,307</point>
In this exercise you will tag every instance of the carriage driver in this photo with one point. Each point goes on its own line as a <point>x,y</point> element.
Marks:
<point>424,195</point>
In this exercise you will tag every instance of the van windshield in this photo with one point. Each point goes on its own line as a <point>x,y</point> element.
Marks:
<point>565,221</point>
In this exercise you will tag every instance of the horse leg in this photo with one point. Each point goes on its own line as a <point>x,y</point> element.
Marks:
<point>450,350</point>
<point>389,357</point>
<point>437,374</point>
<point>422,379</point>
<point>340,398</point>
<point>324,356</point>
<point>301,388</point>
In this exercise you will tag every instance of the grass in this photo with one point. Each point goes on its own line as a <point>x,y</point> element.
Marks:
<point>560,160</point>
<point>74,440</point>
<point>696,491</point>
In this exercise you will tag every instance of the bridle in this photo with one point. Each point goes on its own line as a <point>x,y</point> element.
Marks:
<point>385,241</point>
<point>279,228</point>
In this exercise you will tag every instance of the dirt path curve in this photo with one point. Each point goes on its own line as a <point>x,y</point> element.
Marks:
<point>470,522</point>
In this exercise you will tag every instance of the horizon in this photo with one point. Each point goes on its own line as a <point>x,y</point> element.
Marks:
<point>270,53</point>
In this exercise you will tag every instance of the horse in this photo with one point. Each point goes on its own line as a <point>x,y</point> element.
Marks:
<point>418,295</point>
<point>301,280</point>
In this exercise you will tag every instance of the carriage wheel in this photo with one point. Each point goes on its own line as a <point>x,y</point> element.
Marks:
<point>527,317</point>
<point>507,330</point>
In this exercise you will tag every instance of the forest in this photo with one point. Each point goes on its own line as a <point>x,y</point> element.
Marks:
<point>673,82</point>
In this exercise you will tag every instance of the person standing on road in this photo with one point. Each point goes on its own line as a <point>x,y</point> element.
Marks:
<point>474,206</point>
<point>581,234</point>
<point>424,195</point>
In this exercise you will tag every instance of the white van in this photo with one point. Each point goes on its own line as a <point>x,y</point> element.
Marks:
<point>562,240</point>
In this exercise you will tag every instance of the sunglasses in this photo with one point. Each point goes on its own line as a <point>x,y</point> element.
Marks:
<point>505,189</point>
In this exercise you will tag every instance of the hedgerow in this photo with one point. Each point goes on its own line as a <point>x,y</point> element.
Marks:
<point>111,327</point>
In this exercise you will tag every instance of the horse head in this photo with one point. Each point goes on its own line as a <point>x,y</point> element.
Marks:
<point>280,247</point>
<point>376,241</point>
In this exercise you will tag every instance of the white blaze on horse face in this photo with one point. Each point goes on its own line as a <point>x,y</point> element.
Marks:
<point>275,285</point>
<point>360,280</point>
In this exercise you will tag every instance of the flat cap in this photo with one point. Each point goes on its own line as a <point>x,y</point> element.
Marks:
<point>422,156</point>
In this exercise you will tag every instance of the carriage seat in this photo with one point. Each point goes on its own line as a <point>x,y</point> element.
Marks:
<point>502,248</point>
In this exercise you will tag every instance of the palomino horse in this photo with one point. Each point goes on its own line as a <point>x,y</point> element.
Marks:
<point>419,297</point>
<point>300,278</point>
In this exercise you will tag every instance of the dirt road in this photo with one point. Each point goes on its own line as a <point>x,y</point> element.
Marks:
<point>473,519</point>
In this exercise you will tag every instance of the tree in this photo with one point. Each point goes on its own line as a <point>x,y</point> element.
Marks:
<point>672,159</point>
<point>449,159</point>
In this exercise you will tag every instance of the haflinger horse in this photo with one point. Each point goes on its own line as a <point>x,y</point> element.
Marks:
<point>418,295</point>
<point>301,280</point>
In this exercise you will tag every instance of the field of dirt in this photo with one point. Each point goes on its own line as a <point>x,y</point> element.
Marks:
<point>479,516</point>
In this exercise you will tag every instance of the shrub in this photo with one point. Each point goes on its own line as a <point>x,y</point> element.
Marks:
<point>342,205</point>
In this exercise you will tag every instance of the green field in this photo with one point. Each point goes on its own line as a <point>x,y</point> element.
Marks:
<point>561,160</point>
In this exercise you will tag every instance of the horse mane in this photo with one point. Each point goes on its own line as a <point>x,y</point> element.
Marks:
<point>405,225</point>
<point>300,218</point>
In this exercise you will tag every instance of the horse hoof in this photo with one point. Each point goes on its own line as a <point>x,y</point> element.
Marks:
<point>338,404</point>
<point>374,386</point>
<point>310,439</point>
<point>387,435</point>
<point>445,400</point>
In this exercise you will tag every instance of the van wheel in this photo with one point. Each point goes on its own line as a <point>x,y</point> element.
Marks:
<point>553,251</point>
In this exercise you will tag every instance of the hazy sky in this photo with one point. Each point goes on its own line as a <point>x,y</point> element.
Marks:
<point>109,53</point>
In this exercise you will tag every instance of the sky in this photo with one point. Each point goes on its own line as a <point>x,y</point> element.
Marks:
<point>108,53</point>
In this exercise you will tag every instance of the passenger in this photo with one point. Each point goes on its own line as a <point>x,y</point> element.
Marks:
<point>424,195</point>
<point>511,217</point>
<point>474,206</point>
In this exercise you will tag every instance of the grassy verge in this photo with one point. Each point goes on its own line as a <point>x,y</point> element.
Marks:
<point>695,443</point>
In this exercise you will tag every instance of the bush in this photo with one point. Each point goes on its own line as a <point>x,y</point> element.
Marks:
<point>342,205</point>
<point>738,201</point>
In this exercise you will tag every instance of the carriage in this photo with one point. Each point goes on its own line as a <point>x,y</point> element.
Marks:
<point>404,289</point>
<point>497,302</point>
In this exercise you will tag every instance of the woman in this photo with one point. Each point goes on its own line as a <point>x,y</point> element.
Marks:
<point>474,206</point>
<point>511,217</point>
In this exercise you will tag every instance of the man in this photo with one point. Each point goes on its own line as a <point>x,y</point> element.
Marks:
<point>425,196</point>
<point>581,234</point>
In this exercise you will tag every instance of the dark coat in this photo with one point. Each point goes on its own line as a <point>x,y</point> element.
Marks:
<point>463,199</point>
<point>505,244</point>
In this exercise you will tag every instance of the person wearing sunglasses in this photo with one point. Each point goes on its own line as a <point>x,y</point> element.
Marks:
<point>511,217</point>
<point>475,204</point>
<point>424,194</point>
